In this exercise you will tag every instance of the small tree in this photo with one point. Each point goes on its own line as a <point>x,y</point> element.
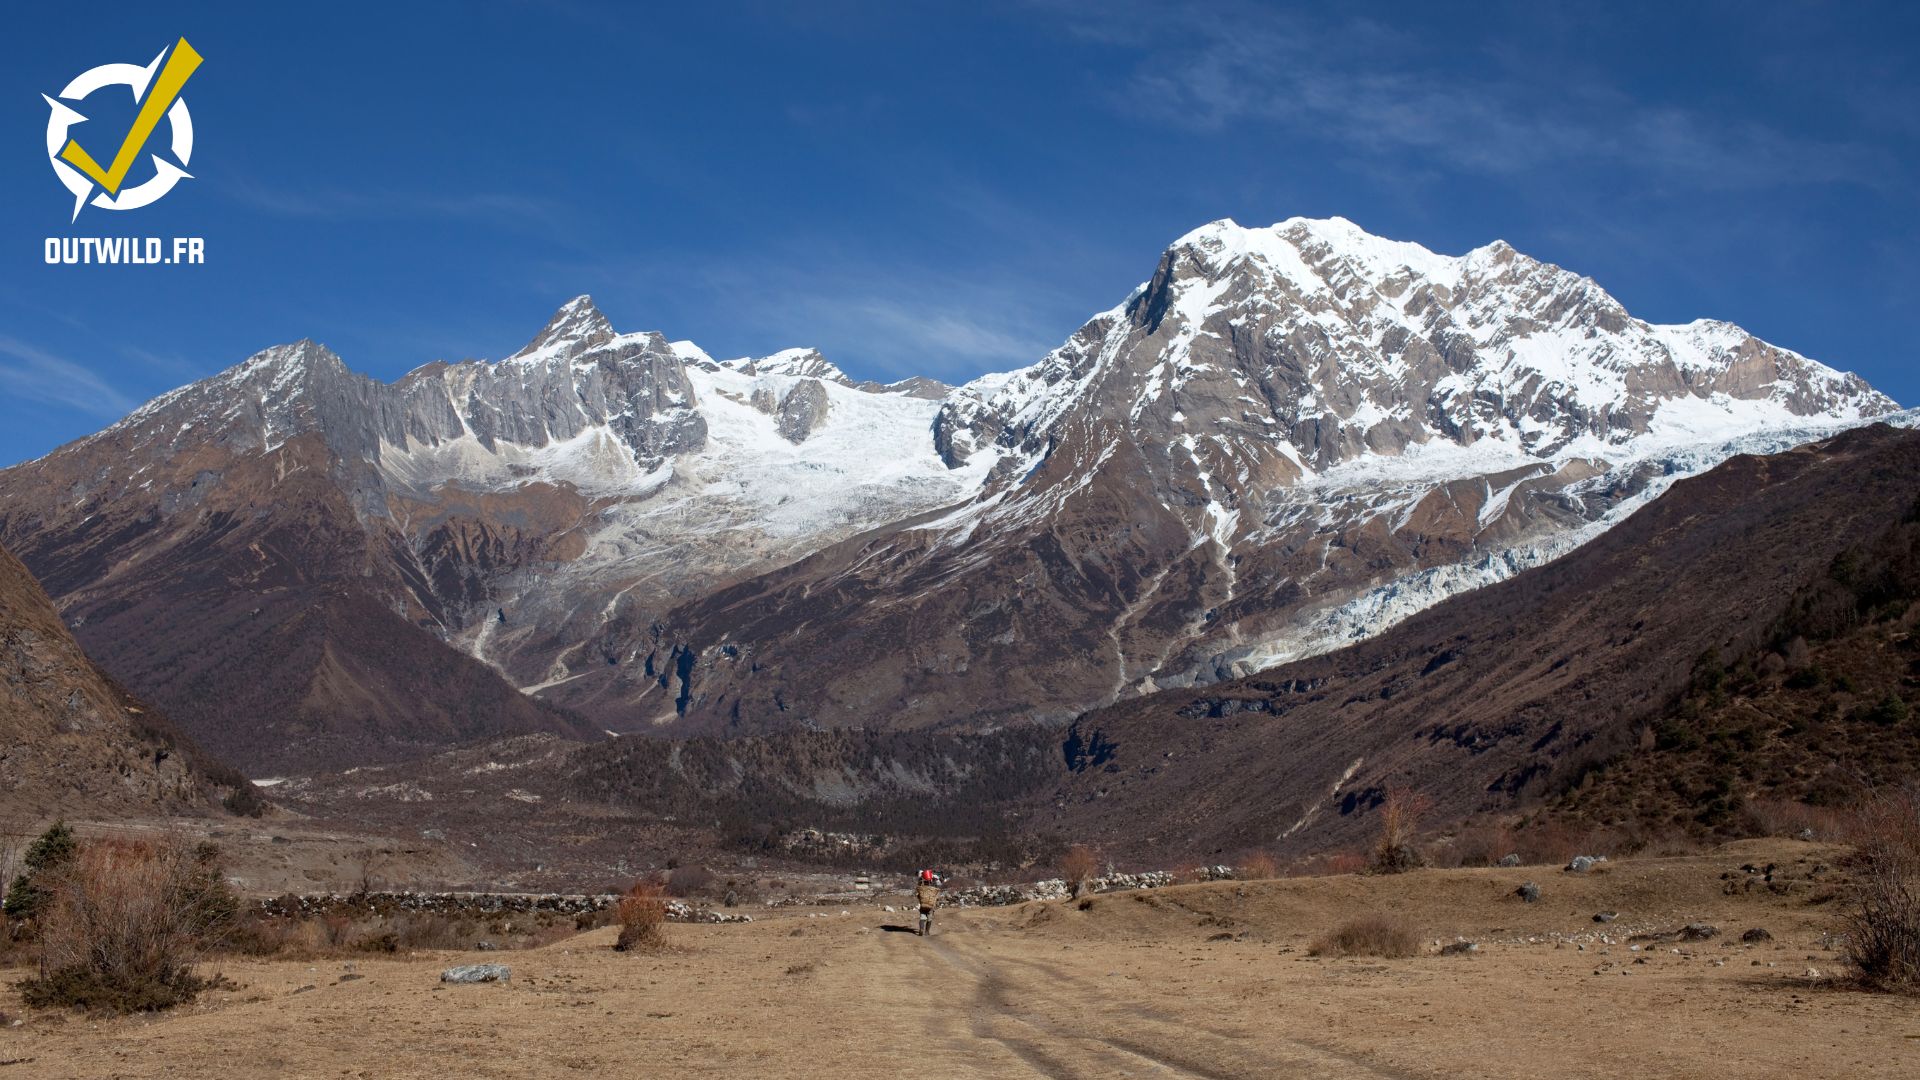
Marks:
<point>1078,867</point>
<point>1400,816</point>
<point>45,857</point>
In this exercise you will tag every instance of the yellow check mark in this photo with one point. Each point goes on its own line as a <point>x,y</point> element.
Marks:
<point>160,95</point>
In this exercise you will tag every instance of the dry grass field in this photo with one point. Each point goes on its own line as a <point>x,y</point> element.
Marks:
<point>1210,980</point>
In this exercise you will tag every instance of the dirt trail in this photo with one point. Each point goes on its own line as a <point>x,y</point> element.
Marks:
<point>1206,981</point>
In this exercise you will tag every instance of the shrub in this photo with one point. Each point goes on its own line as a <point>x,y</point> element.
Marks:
<point>123,924</point>
<point>642,913</point>
<point>1258,866</point>
<point>44,859</point>
<point>1883,922</point>
<point>1889,711</point>
<point>1400,815</point>
<point>1346,862</point>
<point>1078,867</point>
<point>1368,935</point>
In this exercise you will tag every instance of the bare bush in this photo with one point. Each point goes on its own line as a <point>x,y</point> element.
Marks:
<point>124,923</point>
<point>1078,867</point>
<point>1883,922</point>
<point>1258,866</point>
<point>1368,935</point>
<point>1400,814</point>
<point>642,913</point>
<point>1335,862</point>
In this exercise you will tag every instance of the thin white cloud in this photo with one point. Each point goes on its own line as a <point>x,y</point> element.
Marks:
<point>33,374</point>
<point>892,324</point>
<point>1382,94</point>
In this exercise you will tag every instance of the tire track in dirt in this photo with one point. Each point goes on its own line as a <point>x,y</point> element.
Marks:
<point>1295,1056</point>
<point>993,1005</point>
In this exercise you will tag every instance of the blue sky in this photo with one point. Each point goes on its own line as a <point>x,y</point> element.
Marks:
<point>938,189</point>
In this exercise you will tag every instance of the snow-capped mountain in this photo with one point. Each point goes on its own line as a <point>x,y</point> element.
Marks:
<point>525,511</point>
<point>1286,438</point>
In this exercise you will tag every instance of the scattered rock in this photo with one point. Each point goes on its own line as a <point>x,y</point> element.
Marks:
<point>1813,973</point>
<point>681,911</point>
<point>476,973</point>
<point>485,946</point>
<point>1460,948</point>
<point>349,977</point>
<point>1755,936</point>
<point>1605,916</point>
<point>309,986</point>
<point>1056,889</point>
<point>1689,932</point>
<point>1512,859</point>
<point>1583,863</point>
<point>1528,892</point>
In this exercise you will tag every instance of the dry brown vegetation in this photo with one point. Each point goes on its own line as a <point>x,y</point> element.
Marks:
<point>642,914</point>
<point>1883,924</point>
<point>1078,867</point>
<point>341,934</point>
<point>1368,935</point>
<point>124,923</point>
<point>1258,866</point>
<point>1400,814</point>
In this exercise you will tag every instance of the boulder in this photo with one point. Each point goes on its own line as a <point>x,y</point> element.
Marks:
<point>1528,892</point>
<point>1755,936</point>
<point>1583,863</point>
<point>1512,859</point>
<point>476,973</point>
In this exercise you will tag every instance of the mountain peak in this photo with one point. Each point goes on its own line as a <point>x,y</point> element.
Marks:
<point>800,363</point>
<point>1294,248</point>
<point>575,328</point>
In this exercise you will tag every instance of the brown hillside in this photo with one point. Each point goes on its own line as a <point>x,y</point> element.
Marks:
<point>71,741</point>
<point>1502,697</point>
<point>251,614</point>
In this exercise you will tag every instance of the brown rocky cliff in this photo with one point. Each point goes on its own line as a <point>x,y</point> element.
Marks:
<point>71,742</point>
